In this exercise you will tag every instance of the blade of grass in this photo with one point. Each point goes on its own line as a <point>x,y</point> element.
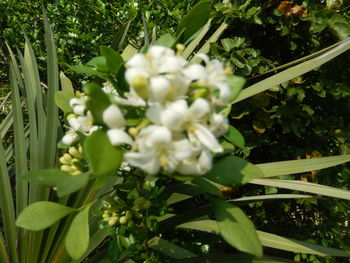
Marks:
<point>194,43</point>
<point>20,157</point>
<point>271,240</point>
<point>52,121</point>
<point>206,47</point>
<point>169,248</point>
<point>3,253</point>
<point>7,207</point>
<point>293,72</point>
<point>301,166</point>
<point>6,124</point>
<point>304,187</point>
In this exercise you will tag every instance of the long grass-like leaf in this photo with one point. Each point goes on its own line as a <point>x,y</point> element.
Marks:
<point>194,43</point>
<point>7,207</point>
<point>206,47</point>
<point>222,258</point>
<point>305,187</point>
<point>301,166</point>
<point>6,124</point>
<point>52,121</point>
<point>169,249</point>
<point>294,71</point>
<point>3,253</point>
<point>271,240</point>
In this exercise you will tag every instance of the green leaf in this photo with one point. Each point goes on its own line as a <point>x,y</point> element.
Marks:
<point>208,186</point>
<point>97,102</point>
<point>301,166</point>
<point>113,59</point>
<point>41,215</point>
<point>62,99</point>
<point>271,240</point>
<point>169,249</point>
<point>296,246</point>
<point>194,20</point>
<point>235,137</point>
<point>305,187</point>
<point>233,170</point>
<point>294,71</point>
<point>165,40</point>
<point>227,258</point>
<point>66,84</point>
<point>236,228</point>
<point>339,25</point>
<point>89,71</point>
<point>77,238</point>
<point>99,63</point>
<point>236,84</point>
<point>103,156</point>
<point>64,183</point>
<point>119,37</point>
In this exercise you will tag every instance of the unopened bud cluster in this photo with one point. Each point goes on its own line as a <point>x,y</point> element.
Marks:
<point>115,215</point>
<point>70,160</point>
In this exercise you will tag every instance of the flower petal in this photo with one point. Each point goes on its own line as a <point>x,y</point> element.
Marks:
<point>183,149</point>
<point>199,108</point>
<point>207,138</point>
<point>195,72</point>
<point>147,161</point>
<point>118,137</point>
<point>113,117</point>
<point>159,88</point>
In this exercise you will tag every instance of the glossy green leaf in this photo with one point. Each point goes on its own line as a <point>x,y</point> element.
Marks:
<point>103,156</point>
<point>100,63</point>
<point>97,102</point>
<point>62,99</point>
<point>166,40</point>
<point>208,186</point>
<point>41,215</point>
<point>233,170</point>
<point>169,249</point>
<point>305,187</point>
<point>235,137</point>
<point>301,166</point>
<point>66,83</point>
<point>236,228</point>
<point>113,59</point>
<point>236,84</point>
<point>63,182</point>
<point>77,238</point>
<point>194,20</point>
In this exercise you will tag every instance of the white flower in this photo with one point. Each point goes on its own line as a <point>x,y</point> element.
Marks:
<point>177,116</point>
<point>213,75</point>
<point>109,89</point>
<point>114,119</point>
<point>78,105</point>
<point>70,137</point>
<point>196,165</point>
<point>81,124</point>
<point>156,149</point>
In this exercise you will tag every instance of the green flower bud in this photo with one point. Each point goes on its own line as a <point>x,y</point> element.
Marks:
<point>123,220</point>
<point>113,221</point>
<point>128,215</point>
<point>140,85</point>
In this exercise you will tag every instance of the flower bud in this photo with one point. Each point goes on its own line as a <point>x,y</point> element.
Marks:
<point>128,215</point>
<point>123,220</point>
<point>113,221</point>
<point>140,85</point>
<point>74,152</point>
<point>68,158</point>
<point>147,204</point>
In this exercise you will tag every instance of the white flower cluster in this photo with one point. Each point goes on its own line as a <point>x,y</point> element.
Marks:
<point>180,127</point>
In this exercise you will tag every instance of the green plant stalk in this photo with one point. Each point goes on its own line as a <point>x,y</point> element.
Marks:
<point>7,207</point>
<point>293,72</point>
<point>3,253</point>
